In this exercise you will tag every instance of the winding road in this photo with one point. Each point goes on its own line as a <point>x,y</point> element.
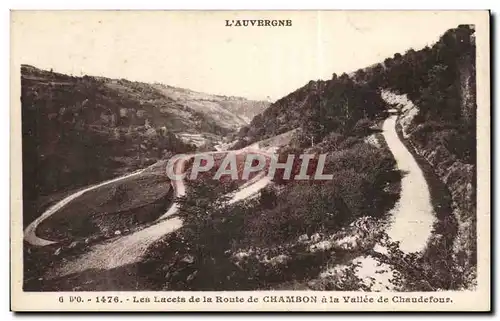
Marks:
<point>127,249</point>
<point>411,219</point>
<point>413,215</point>
<point>30,231</point>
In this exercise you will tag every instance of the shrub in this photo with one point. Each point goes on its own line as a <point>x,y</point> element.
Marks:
<point>433,272</point>
<point>362,158</point>
<point>301,139</point>
<point>362,127</point>
<point>333,141</point>
<point>349,142</point>
<point>301,209</point>
<point>453,137</point>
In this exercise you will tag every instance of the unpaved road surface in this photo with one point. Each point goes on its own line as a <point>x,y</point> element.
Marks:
<point>412,217</point>
<point>118,252</point>
<point>30,232</point>
<point>128,249</point>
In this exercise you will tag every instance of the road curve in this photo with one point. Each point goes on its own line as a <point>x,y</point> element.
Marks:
<point>411,218</point>
<point>178,186</point>
<point>413,215</point>
<point>130,248</point>
<point>30,231</point>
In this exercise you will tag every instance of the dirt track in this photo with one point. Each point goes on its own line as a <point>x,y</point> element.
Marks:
<point>413,214</point>
<point>30,232</point>
<point>130,248</point>
<point>412,217</point>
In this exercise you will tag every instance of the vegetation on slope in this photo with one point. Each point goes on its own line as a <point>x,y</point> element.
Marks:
<point>318,108</point>
<point>260,248</point>
<point>441,81</point>
<point>259,243</point>
<point>82,130</point>
<point>116,208</point>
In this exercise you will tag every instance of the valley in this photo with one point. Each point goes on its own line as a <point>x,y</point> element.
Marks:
<point>101,213</point>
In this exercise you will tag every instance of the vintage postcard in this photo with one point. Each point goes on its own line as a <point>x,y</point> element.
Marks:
<point>250,161</point>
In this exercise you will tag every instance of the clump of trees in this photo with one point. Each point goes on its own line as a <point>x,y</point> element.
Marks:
<point>331,117</point>
<point>200,256</point>
<point>318,108</point>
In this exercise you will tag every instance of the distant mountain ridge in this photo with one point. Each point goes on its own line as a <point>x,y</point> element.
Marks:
<point>178,109</point>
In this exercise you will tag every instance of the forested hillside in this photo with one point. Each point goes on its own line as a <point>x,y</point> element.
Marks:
<point>439,124</point>
<point>319,108</point>
<point>441,81</point>
<point>441,127</point>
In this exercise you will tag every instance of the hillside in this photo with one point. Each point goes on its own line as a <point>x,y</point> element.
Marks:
<point>232,112</point>
<point>268,241</point>
<point>440,78</point>
<point>318,108</point>
<point>398,212</point>
<point>439,122</point>
<point>81,130</point>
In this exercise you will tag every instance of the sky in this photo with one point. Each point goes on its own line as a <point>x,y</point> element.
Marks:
<point>196,50</point>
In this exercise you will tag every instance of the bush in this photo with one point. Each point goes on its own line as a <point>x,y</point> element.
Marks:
<point>362,158</point>
<point>453,137</point>
<point>349,142</point>
<point>432,272</point>
<point>301,139</point>
<point>301,209</point>
<point>333,142</point>
<point>362,127</point>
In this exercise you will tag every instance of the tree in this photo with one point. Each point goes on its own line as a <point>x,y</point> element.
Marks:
<point>388,63</point>
<point>360,75</point>
<point>210,227</point>
<point>268,198</point>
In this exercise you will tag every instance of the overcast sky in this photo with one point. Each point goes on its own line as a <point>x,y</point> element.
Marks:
<point>196,50</point>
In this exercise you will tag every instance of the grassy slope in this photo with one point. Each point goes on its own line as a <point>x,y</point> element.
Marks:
<point>117,206</point>
<point>82,130</point>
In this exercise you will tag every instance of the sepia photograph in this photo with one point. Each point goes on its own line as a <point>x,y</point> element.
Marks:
<point>194,160</point>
